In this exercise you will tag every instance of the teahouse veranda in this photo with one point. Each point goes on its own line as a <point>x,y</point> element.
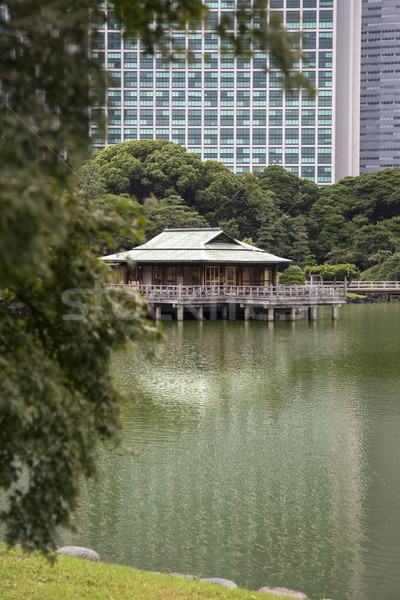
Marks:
<point>206,270</point>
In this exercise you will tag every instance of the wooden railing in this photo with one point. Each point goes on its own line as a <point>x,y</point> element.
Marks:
<point>185,293</point>
<point>374,285</point>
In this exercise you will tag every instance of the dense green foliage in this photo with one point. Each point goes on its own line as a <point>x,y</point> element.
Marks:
<point>293,275</point>
<point>350,222</point>
<point>333,272</point>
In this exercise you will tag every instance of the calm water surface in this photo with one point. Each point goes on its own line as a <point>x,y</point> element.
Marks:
<point>265,453</point>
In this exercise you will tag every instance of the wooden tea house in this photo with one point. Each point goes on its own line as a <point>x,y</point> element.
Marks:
<point>206,272</point>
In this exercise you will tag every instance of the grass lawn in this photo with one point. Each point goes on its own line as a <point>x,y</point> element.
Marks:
<point>32,577</point>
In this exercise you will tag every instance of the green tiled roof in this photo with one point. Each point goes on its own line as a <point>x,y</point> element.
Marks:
<point>207,245</point>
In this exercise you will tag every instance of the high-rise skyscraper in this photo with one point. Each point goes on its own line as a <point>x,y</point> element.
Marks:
<point>233,110</point>
<point>380,99</point>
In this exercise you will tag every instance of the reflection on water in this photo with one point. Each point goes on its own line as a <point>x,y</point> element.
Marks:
<point>264,453</point>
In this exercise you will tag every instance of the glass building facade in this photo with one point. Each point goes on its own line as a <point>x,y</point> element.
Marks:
<point>380,99</point>
<point>224,108</point>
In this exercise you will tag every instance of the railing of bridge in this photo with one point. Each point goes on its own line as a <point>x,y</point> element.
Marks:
<point>374,285</point>
<point>175,293</point>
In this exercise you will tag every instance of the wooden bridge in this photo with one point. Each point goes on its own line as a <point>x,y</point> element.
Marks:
<point>260,302</point>
<point>383,289</point>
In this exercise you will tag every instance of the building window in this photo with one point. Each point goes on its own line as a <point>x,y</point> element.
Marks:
<point>291,156</point>
<point>259,79</point>
<point>178,136</point>
<point>260,60</point>
<point>324,98</point>
<point>307,155</point>
<point>259,137</point>
<point>325,40</point>
<point>309,60</point>
<point>179,79</point>
<point>242,98</point>
<point>275,156</point>
<point>242,156</point>
<point>114,136</point>
<point>259,118</point>
<point>325,79</point>
<point>162,80</point>
<point>308,117</point>
<point>194,137</point>
<point>259,98</point>
<point>210,137</point>
<point>324,174</point>
<point>292,137</point>
<point>162,98</point>
<point>130,60</point>
<point>259,156</point>
<point>242,79</point>
<point>226,137</point>
<point>275,98</point>
<point>114,60</point>
<point>194,79</point>
<point>146,134</point>
<point>243,118</point>
<point>179,98</point>
<point>146,79</point>
<point>227,118</point>
<point>275,79</point>
<point>178,118</point>
<point>307,137</point>
<point>210,154</point>
<point>211,118</point>
<point>324,137</point>
<point>114,97</point>
<point>308,173</point>
<point>130,98</point>
<point>194,118</point>
<point>324,117</point>
<point>146,61</point>
<point>162,134</point>
<point>291,117</point>
<point>114,117</point>
<point>162,118</point>
<point>114,41</point>
<point>226,155</point>
<point>275,137</point>
<point>227,79</point>
<point>324,156</point>
<point>227,98</point>
<point>146,118</point>
<point>146,98</point>
<point>130,134</point>
<point>130,79</point>
<point>210,98</point>
<point>243,136</point>
<point>275,118</point>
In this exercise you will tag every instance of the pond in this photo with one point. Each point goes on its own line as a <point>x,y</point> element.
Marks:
<point>266,453</point>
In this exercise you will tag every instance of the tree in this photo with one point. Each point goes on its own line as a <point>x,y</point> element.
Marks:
<point>57,395</point>
<point>293,275</point>
<point>56,392</point>
<point>169,213</point>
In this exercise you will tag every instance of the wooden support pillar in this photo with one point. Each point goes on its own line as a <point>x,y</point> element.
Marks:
<point>225,312</point>
<point>179,313</point>
<point>247,313</point>
<point>271,314</point>
<point>335,312</point>
<point>200,315</point>
<point>292,314</point>
<point>312,313</point>
<point>158,313</point>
